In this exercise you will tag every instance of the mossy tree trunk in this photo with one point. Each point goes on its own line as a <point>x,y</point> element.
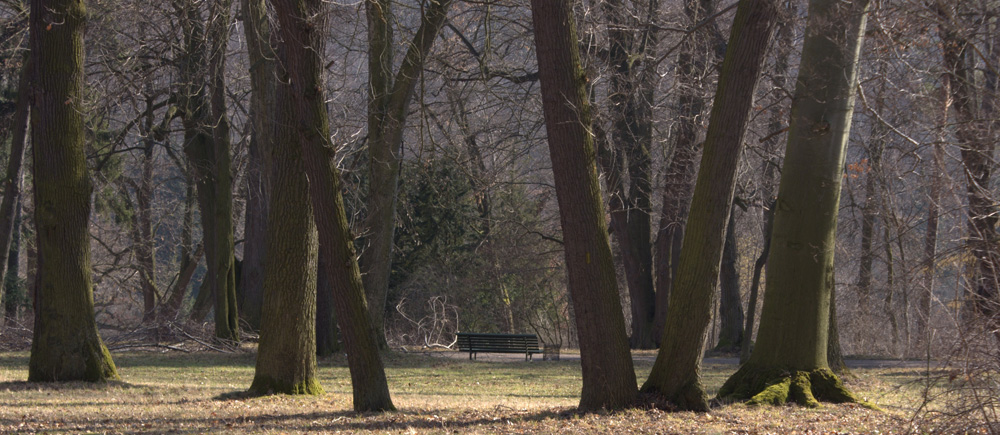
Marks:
<point>388,102</point>
<point>789,361</point>
<point>771,161</point>
<point>608,374</point>
<point>301,42</point>
<point>66,345</point>
<point>257,32</point>
<point>675,377</point>
<point>286,356</point>
<point>695,61</point>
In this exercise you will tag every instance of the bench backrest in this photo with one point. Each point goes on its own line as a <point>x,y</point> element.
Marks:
<point>474,341</point>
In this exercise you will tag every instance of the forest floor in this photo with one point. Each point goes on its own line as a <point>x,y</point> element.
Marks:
<point>436,393</point>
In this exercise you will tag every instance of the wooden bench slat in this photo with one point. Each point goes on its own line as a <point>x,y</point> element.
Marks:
<point>474,342</point>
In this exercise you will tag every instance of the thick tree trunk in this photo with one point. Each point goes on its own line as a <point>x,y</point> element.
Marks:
<point>256,29</point>
<point>676,372</point>
<point>974,121</point>
<point>389,100</point>
<point>693,62</point>
<point>65,345</point>
<point>730,303</point>
<point>771,161</point>
<point>789,361</point>
<point>300,48</point>
<point>608,374</point>
<point>627,160</point>
<point>286,356</point>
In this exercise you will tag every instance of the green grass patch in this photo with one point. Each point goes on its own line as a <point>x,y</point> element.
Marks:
<point>193,393</point>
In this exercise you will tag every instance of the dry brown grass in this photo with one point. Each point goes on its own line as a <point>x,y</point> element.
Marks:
<point>191,393</point>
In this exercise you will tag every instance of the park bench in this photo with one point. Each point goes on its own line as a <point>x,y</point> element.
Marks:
<point>475,342</point>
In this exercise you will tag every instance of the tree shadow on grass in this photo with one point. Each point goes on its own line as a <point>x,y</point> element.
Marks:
<point>17,386</point>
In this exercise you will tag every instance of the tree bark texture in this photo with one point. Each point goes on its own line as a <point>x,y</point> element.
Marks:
<point>327,337</point>
<point>389,100</point>
<point>628,161</point>
<point>256,29</point>
<point>791,347</point>
<point>226,313</point>
<point>974,120</point>
<point>758,267</point>
<point>730,303</point>
<point>676,372</point>
<point>299,51</point>
<point>608,374</point>
<point>66,345</point>
<point>693,62</point>
<point>286,356</point>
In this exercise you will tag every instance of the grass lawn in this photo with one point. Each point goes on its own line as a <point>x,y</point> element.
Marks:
<point>187,393</point>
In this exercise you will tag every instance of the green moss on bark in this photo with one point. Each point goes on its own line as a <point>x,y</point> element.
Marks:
<point>777,385</point>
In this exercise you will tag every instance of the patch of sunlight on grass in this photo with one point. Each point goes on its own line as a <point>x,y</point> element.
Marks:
<point>435,393</point>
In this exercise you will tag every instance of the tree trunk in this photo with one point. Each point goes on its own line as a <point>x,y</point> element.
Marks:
<point>676,372</point>
<point>974,129</point>
<point>256,29</point>
<point>66,345</point>
<point>933,216</point>
<point>834,354</point>
<point>300,48</point>
<point>327,337</point>
<point>608,374</point>
<point>758,266</point>
<point>198,146</point>
<point>145,246</point>
<point>632,128</point>
<point>14,295</point>
<point>771,161</point>
<point>730,303</point>
<point>693,61</point>
<point>286,356</point>
<point>389,100</point>
<point>10,205</point>
<point>226,313</point>
<point>188,263</point>
<point>789,361</point>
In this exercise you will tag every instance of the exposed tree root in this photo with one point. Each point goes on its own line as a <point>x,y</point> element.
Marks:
<point>776,386</point>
